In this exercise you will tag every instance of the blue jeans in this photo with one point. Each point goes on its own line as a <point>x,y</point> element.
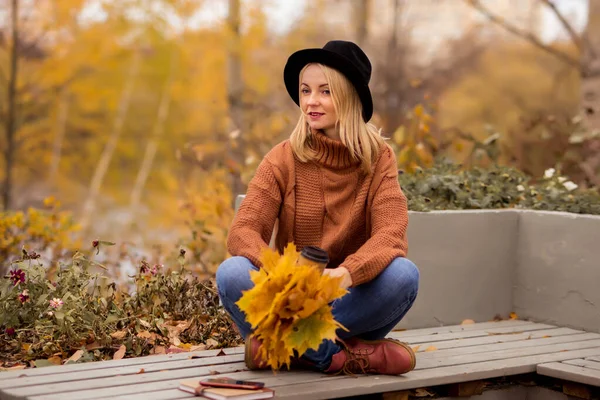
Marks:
<point>369,311</point>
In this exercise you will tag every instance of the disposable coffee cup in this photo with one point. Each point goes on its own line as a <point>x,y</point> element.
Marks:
<point>315,256</point>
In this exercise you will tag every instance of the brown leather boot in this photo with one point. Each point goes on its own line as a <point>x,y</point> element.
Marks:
<point>386,356</point>
<point>254,362</point>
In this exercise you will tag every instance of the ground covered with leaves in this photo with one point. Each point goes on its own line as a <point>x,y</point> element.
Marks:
<point>76,315</point>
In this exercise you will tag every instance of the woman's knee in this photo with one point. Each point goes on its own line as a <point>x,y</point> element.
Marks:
<point>233,273</point>
<point>406,274</point>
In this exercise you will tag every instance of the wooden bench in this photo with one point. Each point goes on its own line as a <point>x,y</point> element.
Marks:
<point>445,355</point>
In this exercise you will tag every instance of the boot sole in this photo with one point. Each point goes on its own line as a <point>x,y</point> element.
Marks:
<point>413,358</point>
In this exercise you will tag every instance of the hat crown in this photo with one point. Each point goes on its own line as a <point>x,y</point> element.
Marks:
<point>353,54</point>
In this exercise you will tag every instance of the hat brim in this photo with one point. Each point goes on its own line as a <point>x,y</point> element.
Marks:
<point>299,59</point>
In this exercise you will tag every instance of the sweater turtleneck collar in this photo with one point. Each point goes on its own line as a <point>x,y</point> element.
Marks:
<point>332,153</point>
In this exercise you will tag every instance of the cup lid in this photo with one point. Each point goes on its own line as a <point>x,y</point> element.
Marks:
<point>315,254</point>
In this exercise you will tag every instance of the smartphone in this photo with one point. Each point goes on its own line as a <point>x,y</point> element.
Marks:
<point>232,383</point>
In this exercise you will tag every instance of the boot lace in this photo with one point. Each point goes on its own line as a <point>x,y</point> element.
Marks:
<point>357,361</point>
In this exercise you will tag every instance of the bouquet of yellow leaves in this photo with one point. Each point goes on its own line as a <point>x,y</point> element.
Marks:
<point>288,307</point>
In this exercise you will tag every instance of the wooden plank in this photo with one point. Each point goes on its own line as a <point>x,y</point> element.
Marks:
<point>584,363</point>
<point>435,359</point>
<point>593,359</point>
<point>282,378</point>
<point>466,372</point>
<point>353,386</point>
<point>472,333</point>
<point>489,339</point>
<point>576,390</point>
<point>509,345</point>
<point>138,361</point>
<point>570,373</point>
<point>111,372</point>
<point>78,387</point>
<point>271,380</point>
<point>460,328</point>
<point>425,363</point>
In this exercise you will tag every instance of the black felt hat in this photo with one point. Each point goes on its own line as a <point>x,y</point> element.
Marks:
<point>344,56</point>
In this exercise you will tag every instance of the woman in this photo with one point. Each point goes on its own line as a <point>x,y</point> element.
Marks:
<point>332,184</point>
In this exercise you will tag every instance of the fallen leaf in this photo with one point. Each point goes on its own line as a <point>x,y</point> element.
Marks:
<point>175,328</point>
<point>93,346</point>
<point>431,348</point>
<point>199,347</point>
<point>158,350</point>
<point>26,346</point>
<point>76,356</point>
<point>210,343</point>
<point>221,353</point>
<point>467,322</point>
<point>546,336</point>
<point>14,367</point>
<point>175,349</point>
<point>42,363</point>
<point>118,334</point>
<point>144,323</point>
<point>423,393</point>
<point>416,348</point>
<point>513,316</point>
<point>213,372</point>
<point>144,335</point>
<point>56,360</point>
<point>120,353</point>
<point>141,371</point>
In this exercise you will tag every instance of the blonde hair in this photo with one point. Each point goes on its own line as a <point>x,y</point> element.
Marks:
<point>363,140</point>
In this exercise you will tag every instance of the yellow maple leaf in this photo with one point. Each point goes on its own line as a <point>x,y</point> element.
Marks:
<point>308,333</point>
<point>289,306</point>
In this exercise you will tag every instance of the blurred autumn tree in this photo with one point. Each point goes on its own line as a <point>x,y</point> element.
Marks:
<point>547,96</point>
<point>407,85</point>
<point>29,54</point>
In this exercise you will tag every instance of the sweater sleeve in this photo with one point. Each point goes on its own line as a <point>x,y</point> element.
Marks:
<point>389,222</point>
<point>253,224</point>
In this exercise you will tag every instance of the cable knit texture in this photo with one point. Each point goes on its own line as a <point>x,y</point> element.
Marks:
<point>359,219</point>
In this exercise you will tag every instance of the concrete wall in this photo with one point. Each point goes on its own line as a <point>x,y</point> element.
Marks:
<point>466,260</point>
<point>558,274</point>
<point>545,266</point>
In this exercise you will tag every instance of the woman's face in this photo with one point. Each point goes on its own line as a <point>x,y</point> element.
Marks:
<point>316,102</point>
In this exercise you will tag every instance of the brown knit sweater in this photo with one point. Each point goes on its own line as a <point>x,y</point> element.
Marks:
<point>359,219</point>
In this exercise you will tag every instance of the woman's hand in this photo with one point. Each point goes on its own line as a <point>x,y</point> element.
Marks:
<point>340,272</point>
